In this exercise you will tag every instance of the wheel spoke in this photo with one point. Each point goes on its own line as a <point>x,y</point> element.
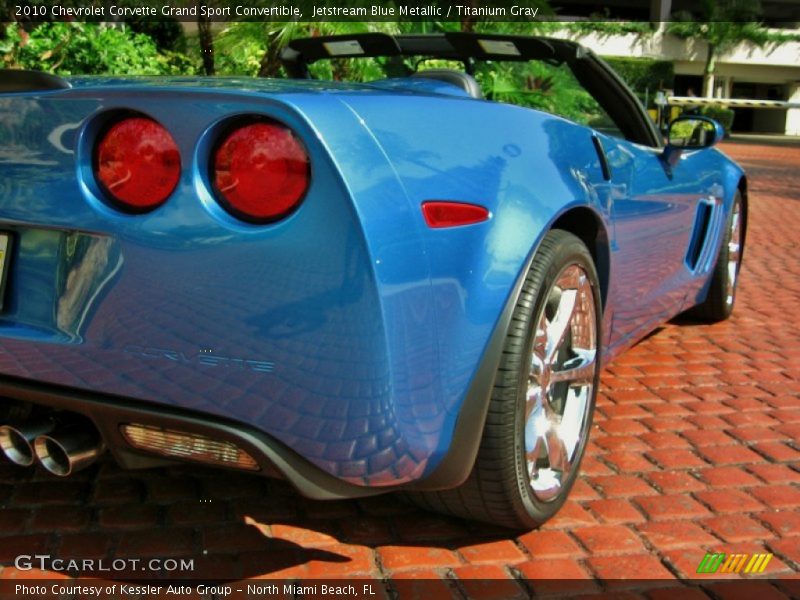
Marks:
<point>538,364</point>
<point>734,243</point>
<point>556,451</point>
<point>732,273</point>
<point>581,372</point>
<point>572,419</point>
<point>536,426</point>
<point>557,328</point>
<point>533,453</point>
<point>734,254</point>
<point>534,401</point>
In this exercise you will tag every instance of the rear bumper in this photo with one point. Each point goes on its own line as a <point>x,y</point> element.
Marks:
<point>109,412</point>
<point>274,459</point>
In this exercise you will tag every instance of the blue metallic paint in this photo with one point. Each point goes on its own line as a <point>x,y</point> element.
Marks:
<point>349,331</point>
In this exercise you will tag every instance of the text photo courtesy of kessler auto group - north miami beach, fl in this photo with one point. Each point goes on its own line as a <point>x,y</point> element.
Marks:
<point>388,300</point>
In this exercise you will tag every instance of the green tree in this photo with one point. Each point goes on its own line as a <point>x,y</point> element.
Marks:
<point>167,34</point>
<point>723,24</point>
<point>206,39</point>
<point>254,48</point>
<point>87,48</point>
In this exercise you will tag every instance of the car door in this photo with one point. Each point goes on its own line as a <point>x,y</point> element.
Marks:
<point>653,207</point>
<point>654,211</point>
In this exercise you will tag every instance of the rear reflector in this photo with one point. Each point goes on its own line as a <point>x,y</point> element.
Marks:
<point>187,446</point>
<point>452,214</point>
<point>137,164</point>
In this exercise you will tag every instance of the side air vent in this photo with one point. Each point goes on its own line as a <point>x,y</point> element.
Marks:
<point>14,80</point>
<point>700,234</point>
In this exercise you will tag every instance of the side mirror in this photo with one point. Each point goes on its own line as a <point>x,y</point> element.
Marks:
<point>690,132</point>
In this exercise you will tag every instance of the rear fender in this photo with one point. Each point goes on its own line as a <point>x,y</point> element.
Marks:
<point>473,151</point>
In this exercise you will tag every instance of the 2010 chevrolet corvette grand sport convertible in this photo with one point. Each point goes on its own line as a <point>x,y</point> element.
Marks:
<point>358,287</point>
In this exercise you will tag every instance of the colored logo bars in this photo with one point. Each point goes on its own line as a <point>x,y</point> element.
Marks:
<point>733,563</point>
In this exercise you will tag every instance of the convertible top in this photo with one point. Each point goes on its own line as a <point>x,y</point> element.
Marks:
<point>591,71</point>
<point>16,80</point>
<point>464,47</point>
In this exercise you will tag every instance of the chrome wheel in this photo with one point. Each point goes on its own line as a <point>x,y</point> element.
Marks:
<point>734,252</point>
<point>544,389</point>
<point>563,366</point>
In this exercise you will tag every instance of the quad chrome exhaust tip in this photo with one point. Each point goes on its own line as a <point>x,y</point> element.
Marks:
<point>68,450</point>
<point>17,441</point>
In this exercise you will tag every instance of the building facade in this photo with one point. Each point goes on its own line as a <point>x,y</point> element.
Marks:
<point>749,72</point>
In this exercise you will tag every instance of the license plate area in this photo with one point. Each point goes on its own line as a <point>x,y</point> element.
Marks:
<point>5,261</point>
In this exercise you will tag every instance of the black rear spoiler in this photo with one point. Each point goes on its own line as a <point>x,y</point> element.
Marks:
<point>463,47</point>
<point>16,80</point>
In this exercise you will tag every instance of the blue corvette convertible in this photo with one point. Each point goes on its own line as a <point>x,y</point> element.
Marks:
<point>360,288</point>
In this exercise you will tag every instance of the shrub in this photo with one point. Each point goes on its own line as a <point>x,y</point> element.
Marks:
<point>644,76</point>
<point>89,48</point>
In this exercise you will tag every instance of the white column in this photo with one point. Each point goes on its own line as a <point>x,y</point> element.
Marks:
<point>719,88</point>
<point>728,87</point>
<point>660,10</point>
<point>708,85</point>
<point>793,114</point>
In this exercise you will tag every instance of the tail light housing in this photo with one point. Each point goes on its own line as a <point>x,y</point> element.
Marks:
<point>137,164</point>
<point>260,171</point>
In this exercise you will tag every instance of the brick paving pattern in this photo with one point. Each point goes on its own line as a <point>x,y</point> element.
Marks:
<point>695,448</point>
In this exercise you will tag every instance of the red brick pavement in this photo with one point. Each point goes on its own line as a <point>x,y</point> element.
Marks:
<point>696,447</point>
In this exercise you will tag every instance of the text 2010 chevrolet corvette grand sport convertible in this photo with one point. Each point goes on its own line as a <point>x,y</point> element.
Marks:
<point>362,288</point>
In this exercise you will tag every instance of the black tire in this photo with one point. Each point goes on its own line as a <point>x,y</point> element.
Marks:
<point>721,298</point>
<point>498,490</point>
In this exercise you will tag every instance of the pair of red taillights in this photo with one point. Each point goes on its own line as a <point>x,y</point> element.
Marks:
<point>259,171</point>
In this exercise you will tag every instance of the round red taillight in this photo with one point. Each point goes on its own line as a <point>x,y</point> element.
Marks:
<point>137,164</point>
<point>260,171</point>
